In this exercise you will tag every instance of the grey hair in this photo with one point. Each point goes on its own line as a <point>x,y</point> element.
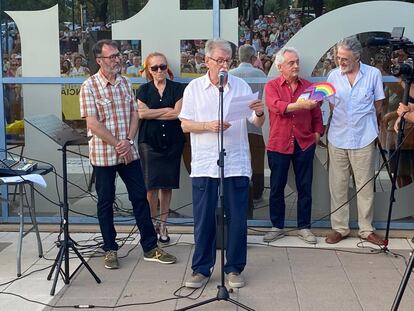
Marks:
<point>280,55</point>
<point>217,43</point>
<point>351,44</point>
<point>246,52</point>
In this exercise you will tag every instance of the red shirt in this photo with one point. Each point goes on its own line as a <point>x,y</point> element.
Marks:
<point>285,127</point>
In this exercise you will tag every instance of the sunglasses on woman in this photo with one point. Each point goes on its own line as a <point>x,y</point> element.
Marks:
<point>156,67</point>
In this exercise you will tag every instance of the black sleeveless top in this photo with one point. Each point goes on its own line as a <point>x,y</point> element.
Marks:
<point>160,134</point>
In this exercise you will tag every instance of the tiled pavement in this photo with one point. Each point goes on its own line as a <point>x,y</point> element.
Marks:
<point>284,275</point>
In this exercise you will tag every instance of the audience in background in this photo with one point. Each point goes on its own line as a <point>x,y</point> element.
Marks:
<point>77,68</point>
<point>134,69</point>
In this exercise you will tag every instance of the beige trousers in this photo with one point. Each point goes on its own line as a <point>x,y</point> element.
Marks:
<point>361,162</point>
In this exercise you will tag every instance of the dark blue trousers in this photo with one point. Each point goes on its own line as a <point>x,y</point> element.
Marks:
<point>131,175</point>
<point>205,200</point>
<point>279,163</point>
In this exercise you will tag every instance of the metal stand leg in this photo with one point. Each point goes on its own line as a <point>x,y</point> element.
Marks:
<point>91,180</point>
<point>34,221</point>
<point>21,230</point>
<point>63,255</point>
<point>403,283</point>
<point>22,233</point>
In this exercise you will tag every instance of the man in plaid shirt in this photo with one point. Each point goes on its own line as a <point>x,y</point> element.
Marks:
<point>108,105</point>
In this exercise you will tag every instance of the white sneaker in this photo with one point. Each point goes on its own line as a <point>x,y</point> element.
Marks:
<point>307,236</point>
<point>111,260</point>
<point>236,280</point>
<point>273,235</point>
<point>196,280</point>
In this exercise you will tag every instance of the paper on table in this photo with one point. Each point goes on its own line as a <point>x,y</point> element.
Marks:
<point>35,178</point>
<point>239,107</point>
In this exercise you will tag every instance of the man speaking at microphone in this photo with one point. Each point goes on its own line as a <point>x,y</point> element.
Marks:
<point>200,117</point>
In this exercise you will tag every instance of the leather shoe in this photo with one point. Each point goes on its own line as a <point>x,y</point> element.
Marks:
<point>334,237</point>
<point>374,239</point>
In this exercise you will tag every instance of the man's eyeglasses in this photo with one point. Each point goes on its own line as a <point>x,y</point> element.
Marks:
<point>112,57</point>
<point>156,67</point>
<point>221,61</point>
<point>340,59</point>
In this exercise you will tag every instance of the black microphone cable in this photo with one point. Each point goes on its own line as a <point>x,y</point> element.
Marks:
<point>176,294</point>
<point>350,199</point>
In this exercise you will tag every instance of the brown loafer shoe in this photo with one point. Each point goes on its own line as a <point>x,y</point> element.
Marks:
<point>374,239</point>
<point>334,237</point>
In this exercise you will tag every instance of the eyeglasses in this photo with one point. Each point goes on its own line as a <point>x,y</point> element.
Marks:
<point>156,67</point>
<point>221,61</point>
<point>341,59</point>
<point>112,57</point>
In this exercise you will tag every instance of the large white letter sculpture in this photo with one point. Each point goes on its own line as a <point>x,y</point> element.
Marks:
<point>39,33</point>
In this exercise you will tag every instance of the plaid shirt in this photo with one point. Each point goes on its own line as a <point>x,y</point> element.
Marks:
<point>112,105</point>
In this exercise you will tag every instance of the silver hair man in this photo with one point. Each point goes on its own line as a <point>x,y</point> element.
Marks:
<point>352,44</point>
<point>218,43</point>
<point>246,52</point>
<point>280,55</point>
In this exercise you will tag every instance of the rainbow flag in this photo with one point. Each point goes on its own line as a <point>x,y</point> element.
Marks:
<point>320,90</point>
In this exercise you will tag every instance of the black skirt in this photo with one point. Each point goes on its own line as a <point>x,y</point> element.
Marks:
<point>161,167</point>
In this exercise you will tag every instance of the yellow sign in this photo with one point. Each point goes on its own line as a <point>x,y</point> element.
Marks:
<point>70,102</point>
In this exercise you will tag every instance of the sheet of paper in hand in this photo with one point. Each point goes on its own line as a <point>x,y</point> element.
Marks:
<point>304,96</point>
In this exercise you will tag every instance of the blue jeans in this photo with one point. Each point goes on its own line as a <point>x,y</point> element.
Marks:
<point>279,163</point>
<point>131,175</point>
<point>205,199</point>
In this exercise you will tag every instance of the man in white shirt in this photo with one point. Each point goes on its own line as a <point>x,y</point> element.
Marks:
<point>271,49</point>
<point>247,57</point>
<point>133,70</point>
<point>352,133</point>
<point>199,116</point>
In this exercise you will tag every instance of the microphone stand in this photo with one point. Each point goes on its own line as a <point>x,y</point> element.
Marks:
<point>410,265</point>
<point>222,291</point>
<point>397,153</point>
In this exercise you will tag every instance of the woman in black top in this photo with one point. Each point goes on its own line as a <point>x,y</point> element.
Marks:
<point>160,139</point>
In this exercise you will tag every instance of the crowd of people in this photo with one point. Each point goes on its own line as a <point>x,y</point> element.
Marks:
<point>13,92</point>
<point>268,34</point>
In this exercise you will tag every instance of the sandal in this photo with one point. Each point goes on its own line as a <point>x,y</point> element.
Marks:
<point>164,237</point>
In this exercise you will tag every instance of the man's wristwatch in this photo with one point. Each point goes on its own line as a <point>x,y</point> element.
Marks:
<point>131,142</point>
<point>260,114</point>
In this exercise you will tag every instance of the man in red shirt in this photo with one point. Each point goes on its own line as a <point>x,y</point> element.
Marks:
<point>295,129</point>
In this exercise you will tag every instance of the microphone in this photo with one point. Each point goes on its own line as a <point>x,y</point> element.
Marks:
<point>222,76</point>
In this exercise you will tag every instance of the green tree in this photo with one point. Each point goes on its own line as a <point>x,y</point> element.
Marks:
<point>276,5</point>
<point>335,4</point>
<point>318,7</point>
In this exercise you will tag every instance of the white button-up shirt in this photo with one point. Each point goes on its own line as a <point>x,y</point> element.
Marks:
<point>354,121</point>
<point>201,104</point>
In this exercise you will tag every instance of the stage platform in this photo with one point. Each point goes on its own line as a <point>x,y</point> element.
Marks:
<point>284,275</point>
